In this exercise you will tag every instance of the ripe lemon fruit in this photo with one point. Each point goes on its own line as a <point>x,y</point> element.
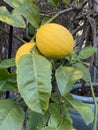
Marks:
<point>54,40</point>
<point>24,49</point>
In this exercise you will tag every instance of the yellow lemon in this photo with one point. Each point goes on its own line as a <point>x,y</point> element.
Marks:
<point>24,49</point>
<point>54,40</point>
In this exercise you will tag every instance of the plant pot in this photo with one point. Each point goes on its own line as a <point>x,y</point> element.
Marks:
<point>78,122</point>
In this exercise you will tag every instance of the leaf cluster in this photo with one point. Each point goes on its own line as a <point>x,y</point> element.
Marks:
<point>43,85</point>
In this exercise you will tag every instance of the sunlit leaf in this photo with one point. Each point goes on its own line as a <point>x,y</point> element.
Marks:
<point>27,9</point>
<point>86,74</point>
<point>13,18</point>
<point>34,81</point>
<point>66,78</point>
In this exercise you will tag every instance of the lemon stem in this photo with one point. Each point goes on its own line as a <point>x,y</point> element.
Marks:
<point>58,92</point>
<point>57,14</point>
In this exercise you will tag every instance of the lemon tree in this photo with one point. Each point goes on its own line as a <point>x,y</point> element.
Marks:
<point>43,79</point>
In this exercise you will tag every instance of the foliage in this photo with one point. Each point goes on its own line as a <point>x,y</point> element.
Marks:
<point>22,8</point>
<point>10,114</point>
<point>43,85</point>
<point>35,89</point>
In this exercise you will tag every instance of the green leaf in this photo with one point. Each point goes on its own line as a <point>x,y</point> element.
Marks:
<point>57,121</point>
<point>12,18</point>
<point>11,115</point>
<point>87,52</point>
<point>67,1</point>
<point>7,81</point>
<point>60,123</point>
<point>83,109</point>
<point>53,2</point>
<point>7,63</point>
<point>27,9</point>
<point>36,121</point>
<point>33,1</point>
<point>45,19</point>
<point>1,94</point>
<point>66,78</point>
<point>48,128</point>
<point>34,81</point>
<point>31,30</point>
<point>85,71</point>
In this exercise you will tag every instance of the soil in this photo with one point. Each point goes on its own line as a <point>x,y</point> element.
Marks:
<point>86,92</point>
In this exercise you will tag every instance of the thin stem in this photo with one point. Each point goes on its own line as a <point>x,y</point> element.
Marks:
<point>51,19</point>
<point>18,38</point>
<point>95,110</point>
<point>57,14</point>
<point>60,102</point>
<point>58,93</point>
<point>33,38</point>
